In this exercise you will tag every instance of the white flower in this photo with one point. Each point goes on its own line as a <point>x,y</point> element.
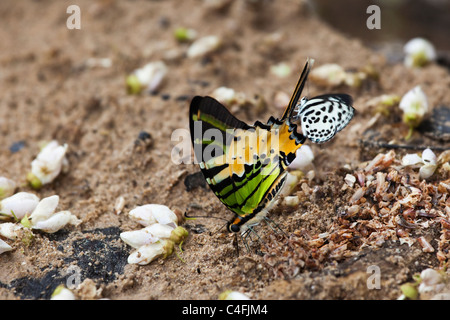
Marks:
<point>304,158</point>
<point>431,281</point>
<point>414,105</point>
<point>157,238</point>
<point>154,213</point>
<point>138,238</point>
<point>43,217</point>
<point>4,246</point>
<point>153,241</point>
<point>233,295</point>
<point>47,165</point>
<point>151,75</point>
<point>329,74</point>
<point>7,187</point>
<point>150,234</point>
<point>428,156</point>
<point>411,159</point>
<point>290,184</point>
<point>149,252</point>
<point>19,204</point>
<point>281,70</point>
<point>62,293</point>
<point>332,74</point>
<point>418,52</point>
<point>224,95</point>
<point>291,201</point>
<point>45,209</point>
<point>204,46</point>
<point>185,34</point>
<point>427,162</point>
<point>56,222</point>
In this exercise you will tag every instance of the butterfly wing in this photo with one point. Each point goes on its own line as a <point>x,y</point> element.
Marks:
<point>245,166</point>
<point>241,163</point>
<point>324,116</point>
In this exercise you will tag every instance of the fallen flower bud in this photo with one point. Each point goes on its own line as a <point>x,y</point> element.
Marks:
<point>414,105</point>
<point>147,78</point>
<point>281,70</point>
<point>43,217</point>
<point>153,241</point>
<point>149,252</point>
<point>232,295</point>
<point>56,222</point>
<point>427,162</point>
<point>154,213</point>
<point>418,52</point>
<point>431,280</point>
<point>47,165</point>
<point>62,293</point>
<point>185,34</point>
<point>204,46</point>
<point>332,74</point>
<point>290,184</point>
<point>304,158</point>
<point>45,209</point>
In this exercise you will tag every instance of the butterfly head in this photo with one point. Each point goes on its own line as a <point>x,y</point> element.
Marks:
<point>233,227</point>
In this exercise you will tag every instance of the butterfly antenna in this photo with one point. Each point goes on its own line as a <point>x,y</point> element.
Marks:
<point>207,217</point>
<point>217,231</point>
<point>298,90</point>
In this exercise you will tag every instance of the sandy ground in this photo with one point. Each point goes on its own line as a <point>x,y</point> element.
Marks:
<point>49,91</point>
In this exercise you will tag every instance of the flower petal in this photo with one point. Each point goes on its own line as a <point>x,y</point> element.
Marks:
<point>138,238</point>
<point>149,252</point>
<point>427,170</point>
<point>56,222</point>
<point>304,158</point>
<point>47,165</point>
<point>411,159</point>
<point>4,246</point>
<point>21,203</point>
<point>10,230</point>
<point>428,156</point>
<point>45,208</point>
<point>152,213</point>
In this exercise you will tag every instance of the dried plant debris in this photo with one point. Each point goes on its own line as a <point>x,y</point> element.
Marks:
<point>380,201</point>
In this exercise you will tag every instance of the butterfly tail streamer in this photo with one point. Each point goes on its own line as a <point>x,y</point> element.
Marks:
<point>298,90</point>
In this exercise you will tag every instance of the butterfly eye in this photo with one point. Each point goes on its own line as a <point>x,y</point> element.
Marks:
<point>234,228</point>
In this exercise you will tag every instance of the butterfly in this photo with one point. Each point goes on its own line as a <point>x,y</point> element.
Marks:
<point>246,165</point>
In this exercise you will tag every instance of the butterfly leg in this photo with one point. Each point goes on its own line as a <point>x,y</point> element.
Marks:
<point>248,234</point>
<point>273,225</point>
<point>244,236</point>
<point>236,244</point>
